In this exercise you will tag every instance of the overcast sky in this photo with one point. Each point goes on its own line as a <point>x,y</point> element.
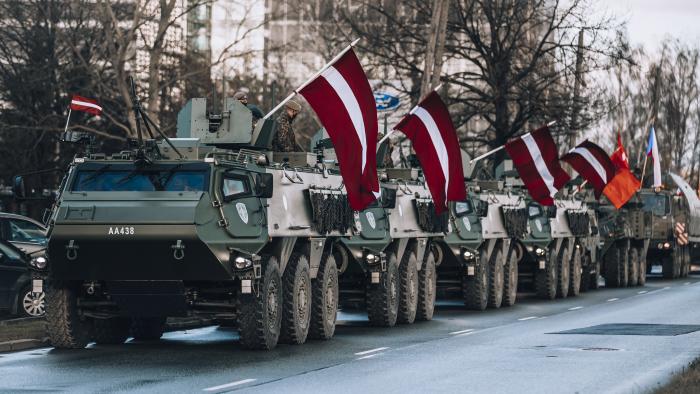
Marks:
<point>649,21</point>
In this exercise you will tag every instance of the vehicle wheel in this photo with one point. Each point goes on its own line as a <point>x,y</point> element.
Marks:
<point>408,290</point>
<point>112,331</point>
<point>475,289</point>
<point>642,267</point>
<point>510,282</point>
<point>147,328</point>
<point>427,289</point>
<point>260,316</point>
<point>496,278</point>
<point>575,271</point>
<point>31,304</point>
<point>65,327</point>
<point>685,270</point>
<point>613,267</point>
<point>624,265</point>
<point>383,297</point>
<point>324,299</point>
<point>296,297</point>
<point>546,279</point>
<point>633,267</point>
<point>563,272</point>
<point>677,262</point>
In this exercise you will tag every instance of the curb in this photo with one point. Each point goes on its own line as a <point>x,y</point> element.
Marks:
<point>22,344</point>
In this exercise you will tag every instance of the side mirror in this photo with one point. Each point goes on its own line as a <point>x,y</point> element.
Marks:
<point>18,187</point>
<point>264,185</point>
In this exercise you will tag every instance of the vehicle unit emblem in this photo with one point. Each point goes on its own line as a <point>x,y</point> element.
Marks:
<point>120,230</point>
<point>242,212</point>
<point>370,220</point>
<point>538,224</point>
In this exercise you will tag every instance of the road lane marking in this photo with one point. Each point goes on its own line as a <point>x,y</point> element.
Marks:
<point>642,292</point>
<point>379,349</point>
<point>527,318</point>
<point>366,357</point>
<point>461,332</point>
<point>575,308</point>
<point>229,385</point>
<point>613,299</point>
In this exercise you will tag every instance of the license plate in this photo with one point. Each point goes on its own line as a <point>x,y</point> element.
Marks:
<point>37,285</point>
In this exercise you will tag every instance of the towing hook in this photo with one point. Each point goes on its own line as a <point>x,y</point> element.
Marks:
<point>72,250</point>
<point>178,250</point>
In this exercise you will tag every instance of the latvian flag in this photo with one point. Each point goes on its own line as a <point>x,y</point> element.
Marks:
<point>594,165</point>
<point>84,104</point>
<point>537,161</point>
<point>434,139</point>
<point>343,100</point>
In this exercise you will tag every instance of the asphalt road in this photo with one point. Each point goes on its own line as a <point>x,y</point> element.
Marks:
<point>511,350</point>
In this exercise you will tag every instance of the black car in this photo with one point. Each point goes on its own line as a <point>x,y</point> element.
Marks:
<point>16,293</point>
<point>25,233</point>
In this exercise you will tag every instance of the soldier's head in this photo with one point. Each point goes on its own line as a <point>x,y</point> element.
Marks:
<point>242,97</point>
<point>293,108</point>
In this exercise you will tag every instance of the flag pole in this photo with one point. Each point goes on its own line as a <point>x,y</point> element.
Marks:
<point>381,141</point>
<point>644,169</point>
<point>500,148</point>
<point>308,81</point>
<point>65,129</point>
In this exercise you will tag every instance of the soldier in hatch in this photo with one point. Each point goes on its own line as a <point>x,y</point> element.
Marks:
<point>284,140</point>
<point>243,98</point>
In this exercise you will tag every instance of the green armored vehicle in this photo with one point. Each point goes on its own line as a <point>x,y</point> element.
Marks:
<point>212,224</point>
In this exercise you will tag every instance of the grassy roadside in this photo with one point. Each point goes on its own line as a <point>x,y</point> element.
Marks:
<point>684,382</point>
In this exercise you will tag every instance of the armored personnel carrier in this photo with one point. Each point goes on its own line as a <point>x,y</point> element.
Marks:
<point>213,224</point>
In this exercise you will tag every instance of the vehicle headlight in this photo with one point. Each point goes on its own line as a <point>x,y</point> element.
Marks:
<point>667,245</point>
<point>468,255</point>
<point>242,263</point>
<point>540,251</point>
<point>39,262</point>
<point>660,245</point>
<point>372,258</point>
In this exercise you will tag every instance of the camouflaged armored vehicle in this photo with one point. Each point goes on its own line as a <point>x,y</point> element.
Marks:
<point>212,224</point>
<point>478,256</point>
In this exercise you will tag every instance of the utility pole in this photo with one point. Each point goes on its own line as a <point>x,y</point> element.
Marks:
<point>578,81</point>
<point>432,65</point>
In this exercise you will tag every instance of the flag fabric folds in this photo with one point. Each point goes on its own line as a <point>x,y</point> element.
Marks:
<point>653,151</point>
<point>84,104</point>
<point>619,157</point>
<point>342,98</point>
<point>434,138</point>
<point>621,188</point>
<point>594,165</point>
<point>537,161</point>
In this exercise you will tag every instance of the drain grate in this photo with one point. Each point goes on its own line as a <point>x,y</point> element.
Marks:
<point>634,329</point>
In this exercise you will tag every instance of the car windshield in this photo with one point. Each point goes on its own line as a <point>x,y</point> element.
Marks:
<point>657,204</point>
<point>174,178</point>
<point>24,231</point>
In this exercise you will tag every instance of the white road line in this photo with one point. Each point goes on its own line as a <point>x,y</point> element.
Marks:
<point>229,385</point>
<point>527,318</point>
<point>379,349</point>
<point>461,332</point>
<point>575,308</point>
<point>465,334</point>
<point>366,357</point>
<point>642,292</point>
<point>613,299</point>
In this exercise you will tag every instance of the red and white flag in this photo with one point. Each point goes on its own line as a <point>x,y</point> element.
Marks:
<point>537,161</point>
<point>343,100</point>
<point>594,165</point>
<point>434,139</point>
<point>619,157</point>
<point>84,104</point>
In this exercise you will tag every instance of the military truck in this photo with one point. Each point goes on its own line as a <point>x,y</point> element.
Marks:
<point>624,240</point>
<point>691,222</point>
<point>558,248</point>
<point>212,224</point>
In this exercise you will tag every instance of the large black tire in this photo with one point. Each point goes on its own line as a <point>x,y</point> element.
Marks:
<point>575,272</point>
<point>496,285</point>
<point>642,267</point>
<point>324,303</point>
<point>427,289</point>
<point>546,279</point>
<point>65,327</point>
<point>296,311</point>
<point>563,272</point>
<point>112,331</point>
<point>147,328</point>
<point>31,304</point>
<point>510,280</point>
<point>260,315</point>
<point>383,297</point>
<point>475,289</point>
<point>685,261</point>
<point>633,275</point>
<point>677,262</point>
<point>615,267</point>
<point>408,290</point>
